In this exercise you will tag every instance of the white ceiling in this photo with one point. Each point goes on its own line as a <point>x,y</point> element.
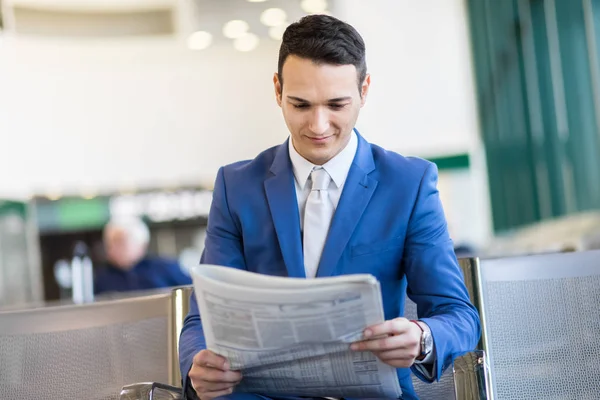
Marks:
<point>116,18</point>
<point>211,15</point>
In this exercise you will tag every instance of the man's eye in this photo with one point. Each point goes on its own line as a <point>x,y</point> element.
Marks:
<point>301,106</point>
<point>337,106</point>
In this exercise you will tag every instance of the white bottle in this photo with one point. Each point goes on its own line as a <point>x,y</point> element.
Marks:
<point>77,279</point>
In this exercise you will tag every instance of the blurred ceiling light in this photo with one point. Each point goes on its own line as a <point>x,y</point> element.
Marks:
<point>248,42</point>
<point>276,32</point>
<point>235,28</point>
<point>199,40</point>
<point>54,195</point>
<point>127,187</point>
<point>88,194</point>
<point>273,17</point>
<point>314,6</point>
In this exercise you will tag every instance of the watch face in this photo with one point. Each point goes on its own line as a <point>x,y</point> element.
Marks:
<point>427,344</point>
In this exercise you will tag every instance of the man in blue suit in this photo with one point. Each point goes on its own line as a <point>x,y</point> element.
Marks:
<point>327,202</point>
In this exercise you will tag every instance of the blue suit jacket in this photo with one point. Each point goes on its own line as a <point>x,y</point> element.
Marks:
<point>389,223</point>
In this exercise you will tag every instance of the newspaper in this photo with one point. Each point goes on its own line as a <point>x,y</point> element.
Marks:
<point>291,336</point>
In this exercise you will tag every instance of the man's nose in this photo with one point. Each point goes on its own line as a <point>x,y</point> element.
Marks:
<point>319,122</point>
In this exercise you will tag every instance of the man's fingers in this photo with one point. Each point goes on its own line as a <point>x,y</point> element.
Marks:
<point>386,343</point>
<point>395,326</point>
<point>212,375</point>
<point>207,358</point>
<point>210,387</point>
<point>217,376</point>
<point>215,394</point>
<point>399,362</point>
<point>400,355</point>
<point>207,380</point>
<point>219,387</point>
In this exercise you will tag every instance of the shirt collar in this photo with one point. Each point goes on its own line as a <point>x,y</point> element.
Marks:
<point>338,167</point>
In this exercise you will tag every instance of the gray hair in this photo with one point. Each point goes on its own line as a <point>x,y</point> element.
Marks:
<point>133,227</point>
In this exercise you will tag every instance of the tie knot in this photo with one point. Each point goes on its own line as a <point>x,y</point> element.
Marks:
<point>320,179</point>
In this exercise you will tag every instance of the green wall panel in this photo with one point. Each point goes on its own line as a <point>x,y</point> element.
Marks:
<point>535,89</point>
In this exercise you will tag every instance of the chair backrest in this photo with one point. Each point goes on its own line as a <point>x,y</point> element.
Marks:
<point>445,388</point>
<point>442,390</point>
<point>542,325</point>
<point>180,306</point>
<point>84,352</point>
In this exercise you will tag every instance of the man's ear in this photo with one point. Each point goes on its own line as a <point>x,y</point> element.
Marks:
<point>364,89</point>
<point>277,85</point>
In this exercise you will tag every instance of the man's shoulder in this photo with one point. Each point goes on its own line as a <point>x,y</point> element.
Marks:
<point>387,161</point>
<point>105,271</point>
<point>109,269</point>
<point>248,169</point>
<point>153,261</point>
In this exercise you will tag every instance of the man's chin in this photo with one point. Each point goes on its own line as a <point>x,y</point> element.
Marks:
<point>124,267</point>
<point>320,157</point>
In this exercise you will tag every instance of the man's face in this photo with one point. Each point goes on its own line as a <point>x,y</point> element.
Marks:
<point>121,250</point>
<point>320,105</point>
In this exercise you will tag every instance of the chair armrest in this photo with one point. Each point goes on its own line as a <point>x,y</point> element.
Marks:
<point>471,380</point>
<point>150,391</point>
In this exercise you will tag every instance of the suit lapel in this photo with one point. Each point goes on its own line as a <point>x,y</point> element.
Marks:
<point>281,196</point>
<point>358,190</point>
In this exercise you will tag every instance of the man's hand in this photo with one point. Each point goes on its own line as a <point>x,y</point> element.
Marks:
<point>211,377</point>
<point>396,342</point>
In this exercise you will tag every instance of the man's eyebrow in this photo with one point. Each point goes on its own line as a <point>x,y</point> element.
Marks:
<point>298,99</point>
<point>335,100</point>
<point>339,99</point>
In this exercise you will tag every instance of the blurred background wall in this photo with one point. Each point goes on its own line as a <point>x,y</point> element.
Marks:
<point>538,80</point>
<point>112,107</point>
<point>105,114</point>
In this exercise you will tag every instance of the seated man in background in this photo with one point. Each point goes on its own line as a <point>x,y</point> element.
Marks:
<point>128,265</point>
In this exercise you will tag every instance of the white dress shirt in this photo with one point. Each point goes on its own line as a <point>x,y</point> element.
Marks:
<point>338,168</point>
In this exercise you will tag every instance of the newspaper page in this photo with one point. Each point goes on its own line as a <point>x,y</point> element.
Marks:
<point>291,336</point>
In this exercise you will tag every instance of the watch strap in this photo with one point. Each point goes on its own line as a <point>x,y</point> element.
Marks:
<point>422,355</point>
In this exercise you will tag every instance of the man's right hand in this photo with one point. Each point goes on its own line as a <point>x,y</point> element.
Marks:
<point>211,377</point>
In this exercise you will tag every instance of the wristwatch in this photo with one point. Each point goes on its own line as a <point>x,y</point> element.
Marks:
<point>426,342</point>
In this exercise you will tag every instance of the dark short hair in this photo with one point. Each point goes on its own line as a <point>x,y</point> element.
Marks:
<point>324,40</point>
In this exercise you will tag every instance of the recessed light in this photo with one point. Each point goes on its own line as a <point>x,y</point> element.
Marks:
<point>199,40</point>
<point>273,17</point>
<point>88,194</point>
<point>235,28</point>
<point>54,195</point>
<point>314,6</point>
<point>276,32</point>
<point>248,42</point>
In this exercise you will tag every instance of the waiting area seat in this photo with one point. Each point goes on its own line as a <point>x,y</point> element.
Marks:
<point>539,320</point>
<point>541,323</point>
<point>86,351</point>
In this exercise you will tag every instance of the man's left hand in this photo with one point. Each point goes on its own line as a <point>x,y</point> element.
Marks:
<point>396,342</point>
